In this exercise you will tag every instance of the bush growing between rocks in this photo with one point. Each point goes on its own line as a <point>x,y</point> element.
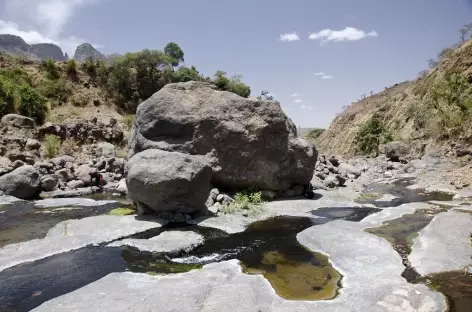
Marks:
<point>234,84</point>
<point>128,121</point>
<point>71,69</point>
<point>51,145</point>
<point>68,147</point>
<point>247,200</point>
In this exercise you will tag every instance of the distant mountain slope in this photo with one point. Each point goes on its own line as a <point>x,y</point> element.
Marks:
<point>16,46</point>
<point>433,110</point>
<point>86,50</point>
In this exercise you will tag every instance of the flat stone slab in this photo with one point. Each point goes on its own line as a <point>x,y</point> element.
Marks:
<point>70,193</point>
<point>10,206</point>
<point>371,269</point>
<point>75,202</point>
<point>71,235</point>
<point>171,242</point>
<point>444,244</point>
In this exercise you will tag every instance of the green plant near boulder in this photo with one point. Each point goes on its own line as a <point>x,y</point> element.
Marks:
<point>32,104</point>
<point>247,200</point>
<point>371,135</point>
<point>52,144</point>
<point>51,69</point>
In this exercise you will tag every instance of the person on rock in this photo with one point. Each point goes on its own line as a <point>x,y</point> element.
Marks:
<point>96,179</point>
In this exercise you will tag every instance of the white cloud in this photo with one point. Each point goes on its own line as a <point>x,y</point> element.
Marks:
<point>323,76</point>
<point>294,94</point>
<point>297,101</point>
<point>289,37</point>
<point>346,34</point>
<point>42,21</point>
<point>302,106</point>
<point>310,107</point>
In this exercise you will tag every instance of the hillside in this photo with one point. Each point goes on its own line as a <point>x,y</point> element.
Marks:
<point>433,111</point>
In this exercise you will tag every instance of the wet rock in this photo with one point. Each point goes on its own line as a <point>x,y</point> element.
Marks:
<point>18,121</point>
<point>167,181</point>
<point>170,242</point>
<point>443,245</point>
<point>23,183</point>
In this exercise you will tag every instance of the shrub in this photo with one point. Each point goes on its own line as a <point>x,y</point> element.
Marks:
<point>71,69</point>
<point>315,133</point>
<point>51,145</point>
<point>52,71</point>
<point>371,135</point>
<point>68,147</point>
<point>80,100</point>
<point>234,85</point>
<point>32,104</point>
<point>57,90</point>
<point>89,67</point>
<point>247,200</point>
<point>128,121</point>
<point>7,97</point>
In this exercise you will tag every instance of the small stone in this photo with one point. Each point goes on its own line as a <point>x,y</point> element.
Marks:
<point>32,144</point>
<point>331,182</point>
<point>219,198</point>
<point>226,200</point>
<point>341,180</point>
<point>214,209</point>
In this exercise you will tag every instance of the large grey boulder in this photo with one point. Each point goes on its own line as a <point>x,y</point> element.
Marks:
<point>83,174</point>
<point>168,181</point>
<point>23,183</point>
<point>396,150</point>
<point>347,169</point>
<point>248,142</point>
<point>18,121</point>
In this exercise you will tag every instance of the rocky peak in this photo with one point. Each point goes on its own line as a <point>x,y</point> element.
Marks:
<point>85,51</point>
<point>47,51</point>
<point>12,41</point>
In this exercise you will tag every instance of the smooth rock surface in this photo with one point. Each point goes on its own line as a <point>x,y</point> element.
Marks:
<point>74,202</point>
<point>71,235</point>
<point>171,242</point>
<point>444,244</point>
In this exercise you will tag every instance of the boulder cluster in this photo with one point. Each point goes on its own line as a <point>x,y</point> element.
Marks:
<point>190,136</point>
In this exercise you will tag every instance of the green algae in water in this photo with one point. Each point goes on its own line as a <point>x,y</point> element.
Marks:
<point>123,211</point>
<point>455,285</point>
<point>295,280</point>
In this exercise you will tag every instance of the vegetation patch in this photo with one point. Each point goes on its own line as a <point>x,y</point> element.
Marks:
<point>315,133</point>
<point>371,135</point>
<point>52,144</point>
<point>248,201</point>
<point>123,211</point>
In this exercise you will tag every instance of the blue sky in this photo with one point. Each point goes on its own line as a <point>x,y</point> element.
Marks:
<point>356,46</point>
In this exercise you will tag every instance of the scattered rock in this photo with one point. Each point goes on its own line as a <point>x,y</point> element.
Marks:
<point>349,169</point>
<point>17,164</point>
<point>23,183</point>
<point>341,180</point>
<point>83,174</point>
<point>331,182</point>
<point>75,184</point>
<point>48,183</point>
<point>18,121</point>
<point>334,161</point>
<point>167,182</point>
<point>396,150</point>
<point>106,149</point>
<point>122,188</point>
<point>64,175</point>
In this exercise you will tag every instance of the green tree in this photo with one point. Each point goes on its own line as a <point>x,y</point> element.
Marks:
<point>234,85</point>
<point>184,74</point>
<point>371,135</point>
<point>315,133</point>
<point>32,104</point>
<point>175,53</point>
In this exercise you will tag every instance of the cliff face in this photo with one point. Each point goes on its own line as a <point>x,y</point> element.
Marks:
<point>16,46</point>
<point>407,111</point>
<point>85,51</point>
<point>47,51</point>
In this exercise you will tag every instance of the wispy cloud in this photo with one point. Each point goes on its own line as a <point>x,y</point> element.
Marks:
<point>323,75</point>
<point>302,106</point>
<point>42,20</point>
<point>289,37</point>
<point>294,94</point>
<point>346,34</point>
<point>306,107</point>
<point>297,101</point>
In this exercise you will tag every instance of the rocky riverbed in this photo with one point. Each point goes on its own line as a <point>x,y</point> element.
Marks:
<point>341,250</point>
